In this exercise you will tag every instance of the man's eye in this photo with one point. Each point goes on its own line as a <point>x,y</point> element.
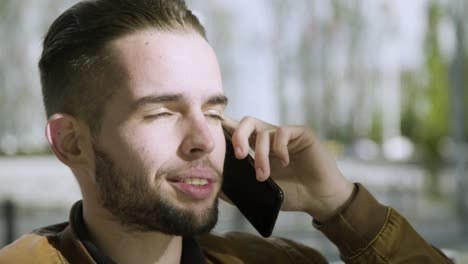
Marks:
<point>215,116</point>
<point>158,115</point>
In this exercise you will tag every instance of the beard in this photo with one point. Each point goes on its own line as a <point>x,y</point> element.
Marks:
<point>138,207</point>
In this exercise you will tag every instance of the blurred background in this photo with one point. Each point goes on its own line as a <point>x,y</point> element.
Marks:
<point>382,82</point>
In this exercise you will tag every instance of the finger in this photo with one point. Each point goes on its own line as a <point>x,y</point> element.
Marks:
<point>246,131</point>
<point>280,143</point>
<point>262,153</point>
<point>240,138</point>
<point>229,124</point>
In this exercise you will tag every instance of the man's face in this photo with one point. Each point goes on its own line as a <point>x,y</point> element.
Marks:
<point>160,150</point>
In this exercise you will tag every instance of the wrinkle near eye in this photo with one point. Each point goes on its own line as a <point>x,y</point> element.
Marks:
<point>213,112</point>
<point>155,110</point>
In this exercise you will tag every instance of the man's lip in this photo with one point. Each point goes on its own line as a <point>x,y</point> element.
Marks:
<point>204,173</point>
<point>201,192</point>
<point>195,192</point>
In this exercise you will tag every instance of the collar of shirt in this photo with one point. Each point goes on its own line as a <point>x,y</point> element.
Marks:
<point>191,251</point>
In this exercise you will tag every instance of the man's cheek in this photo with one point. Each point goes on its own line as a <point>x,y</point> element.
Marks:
<point>218,161</point>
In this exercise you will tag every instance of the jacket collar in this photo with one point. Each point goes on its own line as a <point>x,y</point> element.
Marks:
<point>76,246</point>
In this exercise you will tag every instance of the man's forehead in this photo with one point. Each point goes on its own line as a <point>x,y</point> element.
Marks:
<point>151,46</point>
<point>167,63</point>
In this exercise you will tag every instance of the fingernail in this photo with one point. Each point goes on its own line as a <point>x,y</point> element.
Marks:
<point>238,151</point>
<point>259,173</point>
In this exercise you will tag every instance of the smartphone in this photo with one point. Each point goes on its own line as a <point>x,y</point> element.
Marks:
<point>259,202</point>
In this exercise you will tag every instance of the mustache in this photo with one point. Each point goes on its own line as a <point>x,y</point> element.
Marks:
<point>203,164</point>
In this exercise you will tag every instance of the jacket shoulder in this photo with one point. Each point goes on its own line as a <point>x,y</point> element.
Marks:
<point>36,247</point>
<point>239,247</point>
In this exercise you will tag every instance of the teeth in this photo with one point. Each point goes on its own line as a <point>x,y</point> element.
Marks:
<point>196,181</point>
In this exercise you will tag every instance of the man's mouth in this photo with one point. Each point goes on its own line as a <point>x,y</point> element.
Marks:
<point>197,184</point>
<point>196,181</point>
<point>194,188</point>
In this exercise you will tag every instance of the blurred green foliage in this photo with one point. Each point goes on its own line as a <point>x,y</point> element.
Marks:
<point>426,109</point>
<point>426,123</point>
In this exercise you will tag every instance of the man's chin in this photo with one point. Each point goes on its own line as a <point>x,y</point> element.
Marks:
<point>173,220</point>
<point>199,219</point>
<point>198,209</point>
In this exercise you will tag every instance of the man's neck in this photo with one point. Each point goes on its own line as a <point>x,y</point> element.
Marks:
<point>124,247</point>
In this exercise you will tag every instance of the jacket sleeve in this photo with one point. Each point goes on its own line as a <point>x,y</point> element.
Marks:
<point>366,231</point>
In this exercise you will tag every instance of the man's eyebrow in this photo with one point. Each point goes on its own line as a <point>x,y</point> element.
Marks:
<point>152,99</point>
<point>217,100</point>
<point>172,98</point>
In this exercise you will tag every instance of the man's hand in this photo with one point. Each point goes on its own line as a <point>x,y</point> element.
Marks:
<point>297,161</point>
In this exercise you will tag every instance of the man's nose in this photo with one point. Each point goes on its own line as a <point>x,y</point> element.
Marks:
<point>198,140</point>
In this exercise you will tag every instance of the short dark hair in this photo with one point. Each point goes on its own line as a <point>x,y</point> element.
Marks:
<point>75,65</point>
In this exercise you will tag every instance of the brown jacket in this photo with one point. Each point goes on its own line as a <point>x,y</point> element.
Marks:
<point>364,232</point>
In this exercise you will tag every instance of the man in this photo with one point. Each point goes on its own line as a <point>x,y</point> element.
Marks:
<point>136,108</point>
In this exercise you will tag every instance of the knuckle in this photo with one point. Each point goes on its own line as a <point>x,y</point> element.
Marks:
<point>281,131</point>
<point>247,119</point>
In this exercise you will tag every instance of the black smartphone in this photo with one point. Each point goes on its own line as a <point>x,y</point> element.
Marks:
<point>259,202</point>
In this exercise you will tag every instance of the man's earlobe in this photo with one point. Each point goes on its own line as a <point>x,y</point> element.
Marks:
<point>63,133</point>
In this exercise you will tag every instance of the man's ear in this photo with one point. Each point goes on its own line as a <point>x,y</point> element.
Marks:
<point>66,136</point>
